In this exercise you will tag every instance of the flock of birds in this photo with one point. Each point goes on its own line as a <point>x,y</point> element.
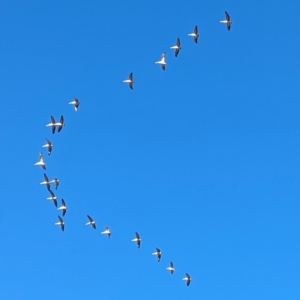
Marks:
<point>59,125</point>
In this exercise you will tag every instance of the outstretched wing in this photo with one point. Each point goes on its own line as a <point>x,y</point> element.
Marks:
<point>227,16</point>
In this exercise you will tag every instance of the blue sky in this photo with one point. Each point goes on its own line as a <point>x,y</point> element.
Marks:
<point>202,159</point>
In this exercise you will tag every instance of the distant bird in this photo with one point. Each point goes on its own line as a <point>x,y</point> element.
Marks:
<point>61,223</point>
<point>129,80</point>
<point>171,268</point>
<point>176,47</point>
<point>91,222</point>
<point>46,182</point>
<point>162,61</point>
<point>106,231</point>
<point>56,181</point>
<point>61,124</point>
<point>49,145</point>
<point>188,279</point>
<point>227,20</point>
<point>53,198</point>
<point>41,162</point>
<point>137,239</point>
<point>63,207</point>
<point>195,34</point>
<point>158,253</point>
<point>53,124</point>
<point>76,103</point>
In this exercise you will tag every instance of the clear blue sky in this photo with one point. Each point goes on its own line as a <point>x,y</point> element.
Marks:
<point>202,159</point>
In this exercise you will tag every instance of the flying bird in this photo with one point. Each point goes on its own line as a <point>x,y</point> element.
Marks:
<point>158,253</point>
<point>41,162</point>
<point>106,231</point>
<point>46,182</point>
<point>137,239</point>
<point>188,279</point>
<point>162,61</point>
<point>53,124</point>
<point>227,21</point>
<point>171,268</point>
<point>176,47</point>
<point>48,145</point>
<point>63,207</point>
<point>53,198</point>
<point>61,223</point>
<point>129,80</point>
<point>195,34</point>
<point>56,181</point>
<point>91,222</point>
<point>76,103</point>
<point>61,124</point>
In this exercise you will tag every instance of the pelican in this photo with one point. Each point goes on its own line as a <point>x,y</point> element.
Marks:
<point>63,207</point>
<point>106,231</point>
<point>61,124</point>
<point>61,223</point>
<point>76,103</point>
<point>158,253</point>
<point>171,268</point>
<point>137,239</point>
<point>49,145</point>
<point>162,61</point>
<point>195,34</point>
<point>41,162</point>
<point>56,181</point>
<point>52,124</point>
<point>188,279</point>
<point>129,80</point>
<point>91,222</point>
<point>227,20</point>
<point>46,182</point>
<point>176,47</point>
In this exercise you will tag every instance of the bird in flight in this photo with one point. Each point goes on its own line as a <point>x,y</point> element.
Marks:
<point>91,222</point>
<point>129,80</point>
<point>227,20</point>
<point>195,34</point>
<point>76,103</point>
<point>162,61</point>
<point>137,239</point>
<point>176,47</point>
<point>41,162</point>
<point>158,253</point>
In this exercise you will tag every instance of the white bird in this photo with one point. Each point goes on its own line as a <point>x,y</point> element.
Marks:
<point>137,239</point>
<point>91,222</point>
<point>171,268</point>
<point>188,279</point>
<point>129,80</point>
<point>227,20</point>
<point>158,253</point>
<point>47,182</point>
<point>63,207</point>
<point>162,61</point>
<point>61,223</point>
<point>195,34</point>
<point>53,198</point>
<point>61,124</point>
<point>76,103</point>
<point>41,162</point>
<point>176,47</point>
<point>49,145</point>
<point>56,181</point>
<point>53,124</point>
<point>106,231</point>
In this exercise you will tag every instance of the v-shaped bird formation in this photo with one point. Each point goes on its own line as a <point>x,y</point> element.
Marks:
<point>60,124</point>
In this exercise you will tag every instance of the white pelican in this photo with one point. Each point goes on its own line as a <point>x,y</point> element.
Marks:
<point>176,47</point>
<point>61,124</point>
<point>46,182</point>
<point>61,223</point>
<point>53,198</point>
<point>195,34</point>
<point>106,231</point>
<point>49,145</point>
<point>63,207</point>
<point>171,268</point>
<point>162,61</point>
<point>56,181</point>
<point>129,80</point>
<point>52,124</point>
<point>158,253</point>
<point>227,20</point>
<point>41,162</point>
<point>188,279</point>
<point>137,239</point>
<point>76,103</point>
<point>91,222</point>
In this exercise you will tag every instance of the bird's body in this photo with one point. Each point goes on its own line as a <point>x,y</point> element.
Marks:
<point>195,34</point>
<point>53,198</point>
<point>227,21</point>
<point>91,222</point>
<point>171,268</point>
<point>162,61</point>
<point>61,223</point>
<point>176,47</point>
<point>48,145</point>
<point>41,162</point>
<point>76,103</point>
<point>129,80</point>
<point>137,239</point>
<point>63,207</point>
<point>188,279</point>
<point>106,231</point>
<point>158,253</point>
